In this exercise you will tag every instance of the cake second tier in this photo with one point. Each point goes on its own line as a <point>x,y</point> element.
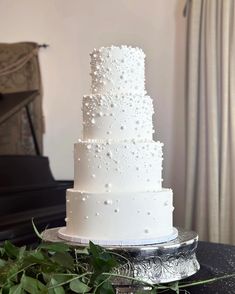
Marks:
<point>117,166</point>
<point>116,116</point>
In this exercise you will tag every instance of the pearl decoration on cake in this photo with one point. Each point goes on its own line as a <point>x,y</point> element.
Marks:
<point>94,104</point>
<point>122,72</point>
<point>108,202</point>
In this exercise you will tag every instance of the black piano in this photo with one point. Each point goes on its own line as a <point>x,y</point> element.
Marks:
<point>27,187</point>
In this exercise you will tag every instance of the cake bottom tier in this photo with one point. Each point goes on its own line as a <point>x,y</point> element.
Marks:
<point>120,218</point>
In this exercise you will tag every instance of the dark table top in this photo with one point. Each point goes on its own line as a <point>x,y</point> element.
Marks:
<point>215,260</point>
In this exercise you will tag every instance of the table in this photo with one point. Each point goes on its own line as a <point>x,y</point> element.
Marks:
<point>215,260</point>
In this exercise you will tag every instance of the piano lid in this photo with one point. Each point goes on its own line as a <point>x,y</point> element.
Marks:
<point>24,171</point>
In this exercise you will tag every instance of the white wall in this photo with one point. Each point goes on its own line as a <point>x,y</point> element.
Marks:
<point>72,29</point>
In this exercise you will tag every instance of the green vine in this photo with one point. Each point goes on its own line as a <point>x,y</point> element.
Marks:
<point>55,268</point>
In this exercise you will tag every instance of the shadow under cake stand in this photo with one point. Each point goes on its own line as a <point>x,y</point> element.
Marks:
<point>156,263</point>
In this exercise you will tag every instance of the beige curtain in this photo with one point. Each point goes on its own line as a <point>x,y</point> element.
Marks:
<point>20,71</point>
<point>210,105</point>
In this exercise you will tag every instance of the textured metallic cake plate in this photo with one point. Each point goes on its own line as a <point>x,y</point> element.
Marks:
<point>156,263</point>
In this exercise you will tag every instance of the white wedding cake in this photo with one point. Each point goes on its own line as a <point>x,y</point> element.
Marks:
<point>118,197</point>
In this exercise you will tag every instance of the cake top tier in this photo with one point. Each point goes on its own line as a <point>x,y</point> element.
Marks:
<point>117,70</point>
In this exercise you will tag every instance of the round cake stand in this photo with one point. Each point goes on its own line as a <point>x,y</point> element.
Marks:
<point>156,263</point>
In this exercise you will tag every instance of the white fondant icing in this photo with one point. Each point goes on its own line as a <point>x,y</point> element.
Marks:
<point>118,196</point>
<point>119,166</point>
<point>117,70</point>
<point>128,223</point>
<point>130,117</point>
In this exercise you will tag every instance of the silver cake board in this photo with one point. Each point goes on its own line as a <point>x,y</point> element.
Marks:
<point>156,263</point>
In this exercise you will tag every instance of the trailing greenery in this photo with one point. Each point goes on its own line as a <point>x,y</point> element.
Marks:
<point>55,268</point>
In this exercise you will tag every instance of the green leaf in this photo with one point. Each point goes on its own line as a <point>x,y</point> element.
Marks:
<point>32,285</point>
<point>36,256</point>
<point>2,262</point>
<point>11,250</point>
<point>6,288</point>
<point>101,259</point>
<point>51,268</point>
<point>9,272</point>
<point>63,259</point>
<point>57,289</point>
<point>22,251</point>
<point>2,251</point>
<point>46,277</point>
<point>56,247</point>
<point>17,289</point>
<point>106,288</point>
<point>84,251</point>
<point>57,279</point>
<point>79,287</point>
<point>95,250</point>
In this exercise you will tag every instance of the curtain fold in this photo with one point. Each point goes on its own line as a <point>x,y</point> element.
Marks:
<point>210,98</point>
<point>20,71</point>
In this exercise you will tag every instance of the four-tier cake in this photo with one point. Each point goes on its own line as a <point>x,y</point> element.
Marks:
<point>118,197</point>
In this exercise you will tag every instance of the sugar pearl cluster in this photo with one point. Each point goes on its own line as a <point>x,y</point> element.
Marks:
<point>117,70</point>
<point>117,166</point>
<point>120,116</point>
<point>147,209</point>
